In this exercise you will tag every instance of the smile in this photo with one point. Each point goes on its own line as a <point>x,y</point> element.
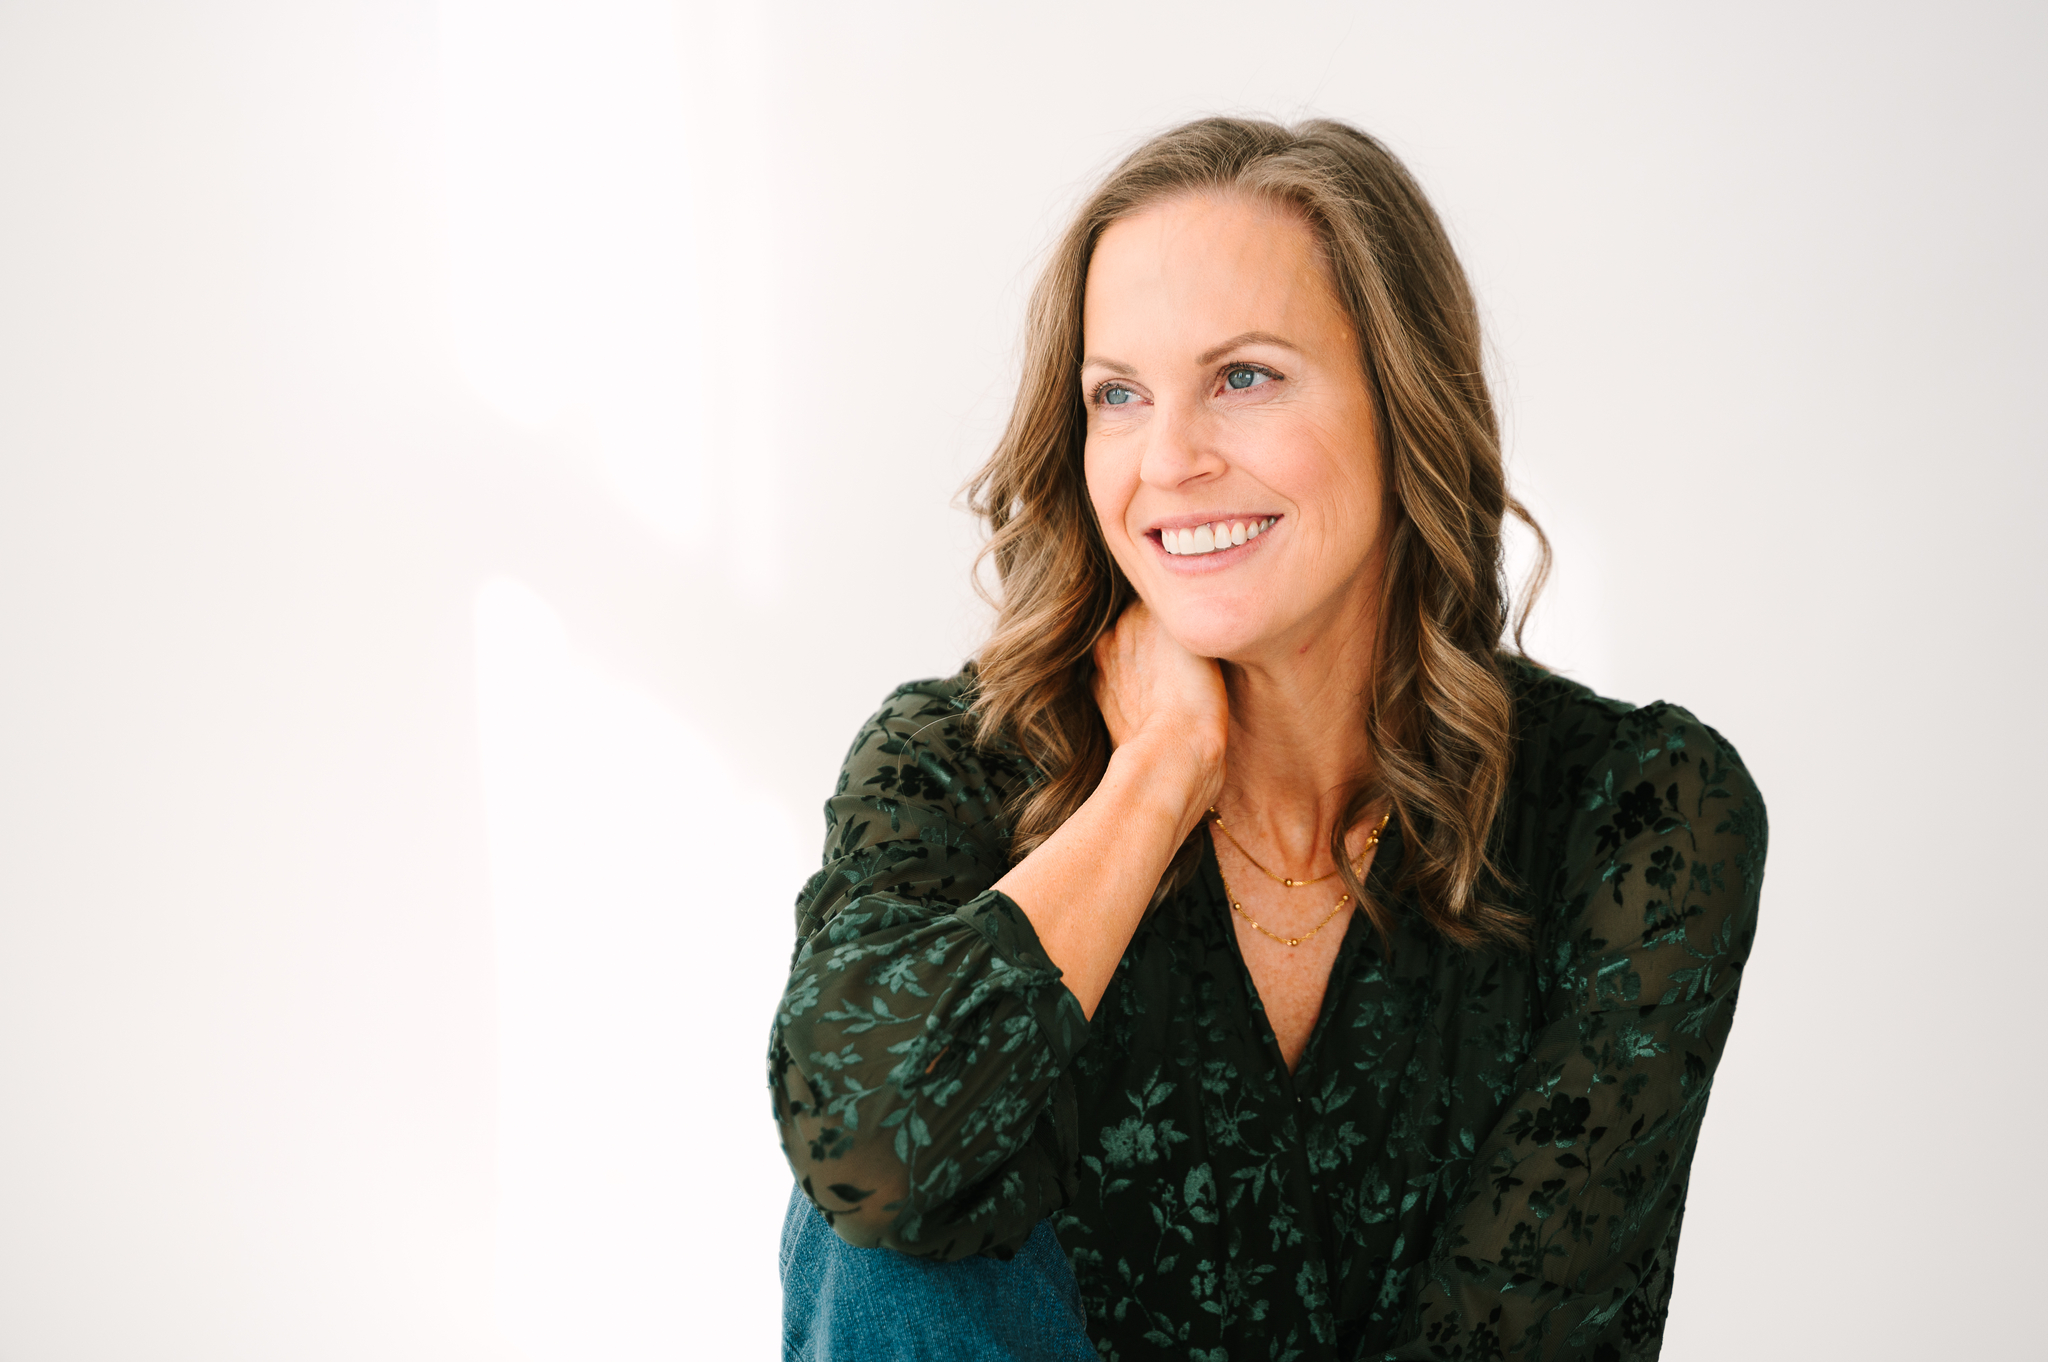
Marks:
<point>1213,537</point>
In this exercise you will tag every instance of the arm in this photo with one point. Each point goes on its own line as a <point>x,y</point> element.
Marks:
<point>1086,888</point>
<point>1563,1247</point>
<point>920,1049</point>
<point>919,1042</point>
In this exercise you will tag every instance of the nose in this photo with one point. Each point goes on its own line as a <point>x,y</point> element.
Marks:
<point>1180,448</point>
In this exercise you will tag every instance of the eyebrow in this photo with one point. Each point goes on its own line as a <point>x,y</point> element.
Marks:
<point>1209,356</point>
<point>1114,366</point>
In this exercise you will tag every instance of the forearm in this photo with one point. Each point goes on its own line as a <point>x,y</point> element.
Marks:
<point>1086,887</point>
<point>910,1065</point>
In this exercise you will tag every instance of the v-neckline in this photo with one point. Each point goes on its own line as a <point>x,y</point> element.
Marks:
<point>1356,932</point>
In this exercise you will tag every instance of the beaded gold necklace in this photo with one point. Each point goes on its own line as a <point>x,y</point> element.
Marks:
<point>1370,842</point>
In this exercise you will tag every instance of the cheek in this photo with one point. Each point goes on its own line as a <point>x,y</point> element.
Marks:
<point>1332,478</point>
<point>1109,490</point>
<point>1352,492</point>
<point>1301,460</point>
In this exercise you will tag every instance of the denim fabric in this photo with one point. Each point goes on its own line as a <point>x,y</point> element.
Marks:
<point>878,1305</point>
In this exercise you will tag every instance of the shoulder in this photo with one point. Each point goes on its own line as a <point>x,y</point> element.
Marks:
<point>1571,740</point>
<point>918,810</point>
<point>1594,775</point>
<point>935,712</point>
<point>918,755</point>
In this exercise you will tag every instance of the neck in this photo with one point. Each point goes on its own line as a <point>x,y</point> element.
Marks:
<point>1297,742</point>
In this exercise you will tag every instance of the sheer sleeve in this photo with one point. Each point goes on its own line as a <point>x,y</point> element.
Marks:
<point>1564,1245</point>
<point>919,1056</point>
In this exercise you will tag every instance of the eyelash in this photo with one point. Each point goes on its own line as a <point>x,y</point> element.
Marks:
<point>1095,398</point>
<point>1227,370</point>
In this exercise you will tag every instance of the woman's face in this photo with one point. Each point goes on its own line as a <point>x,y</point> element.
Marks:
<point>1224,393</point>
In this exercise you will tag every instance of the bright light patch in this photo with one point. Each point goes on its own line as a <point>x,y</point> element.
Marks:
<point>641,940</point>
<point>572,260</point>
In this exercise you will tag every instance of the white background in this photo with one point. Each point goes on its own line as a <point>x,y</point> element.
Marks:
<point>465,472</point>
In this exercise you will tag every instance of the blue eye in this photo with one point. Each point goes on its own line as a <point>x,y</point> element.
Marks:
<point>1242,377</point>
<point>1115,397</point>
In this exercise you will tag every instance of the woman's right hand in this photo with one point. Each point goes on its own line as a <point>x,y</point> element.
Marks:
<point>1163,702</point>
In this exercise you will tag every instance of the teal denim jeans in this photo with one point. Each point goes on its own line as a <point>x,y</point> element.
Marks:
<point>877,1305</point>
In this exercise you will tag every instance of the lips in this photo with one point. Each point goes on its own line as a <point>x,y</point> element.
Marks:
<point>1195,540</point>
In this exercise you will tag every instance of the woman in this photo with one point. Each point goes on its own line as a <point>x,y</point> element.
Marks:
<point>1335,982</point>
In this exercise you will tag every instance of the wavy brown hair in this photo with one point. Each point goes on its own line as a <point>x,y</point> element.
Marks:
<point>1438,713</point>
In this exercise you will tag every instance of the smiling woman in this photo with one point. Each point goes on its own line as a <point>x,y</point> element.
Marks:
<point>1067,1000</point>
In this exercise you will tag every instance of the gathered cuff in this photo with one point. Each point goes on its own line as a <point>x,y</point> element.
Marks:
<point>997,919</point>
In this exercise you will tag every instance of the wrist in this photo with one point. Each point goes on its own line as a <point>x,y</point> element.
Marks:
<point>1167,773</point>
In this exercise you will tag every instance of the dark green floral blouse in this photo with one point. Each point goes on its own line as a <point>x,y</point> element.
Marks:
<point>1482,1154</point>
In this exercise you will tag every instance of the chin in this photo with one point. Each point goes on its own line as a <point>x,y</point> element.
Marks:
<point>1208,629</point>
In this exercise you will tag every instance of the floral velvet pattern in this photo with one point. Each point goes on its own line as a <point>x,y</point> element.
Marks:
<point>1482,1154</point>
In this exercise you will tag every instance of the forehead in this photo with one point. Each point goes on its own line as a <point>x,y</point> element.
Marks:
<point>1210,264</point>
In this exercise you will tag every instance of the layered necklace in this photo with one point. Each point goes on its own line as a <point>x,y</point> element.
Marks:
<point>1370,842</point>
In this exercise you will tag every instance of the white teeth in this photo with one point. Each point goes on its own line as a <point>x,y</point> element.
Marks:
<point>1220,534</point>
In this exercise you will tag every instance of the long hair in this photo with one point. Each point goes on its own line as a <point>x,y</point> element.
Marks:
<point>1438,713</point>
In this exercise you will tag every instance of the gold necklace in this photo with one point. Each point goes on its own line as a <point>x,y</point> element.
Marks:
<point>1371,842</point>
<point>1342,899</point>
